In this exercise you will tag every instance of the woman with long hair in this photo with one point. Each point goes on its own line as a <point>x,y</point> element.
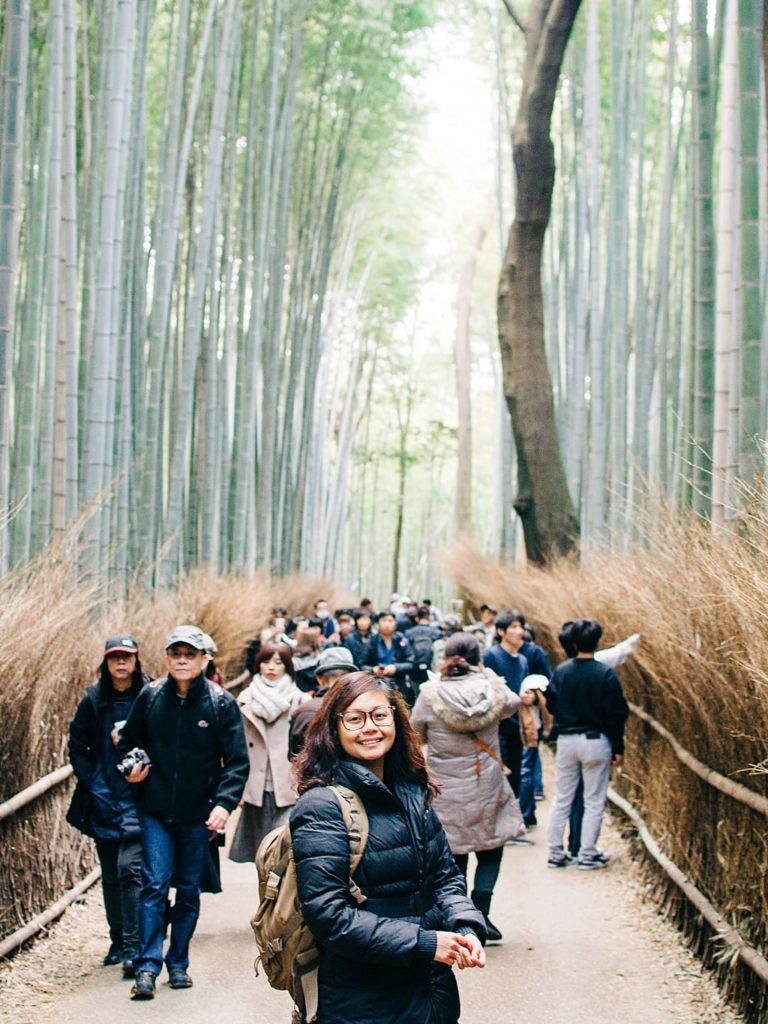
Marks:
<point>266,706</point>
<point>102,805</point>
<point>457,715</point>
<point>388,959</point>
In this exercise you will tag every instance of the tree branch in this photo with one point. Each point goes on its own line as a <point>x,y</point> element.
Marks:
<point>514,15</point>
<point>548,61</point>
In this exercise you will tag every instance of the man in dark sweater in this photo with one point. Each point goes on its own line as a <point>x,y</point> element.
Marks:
<point>505,659</point>
<point>589,709</point>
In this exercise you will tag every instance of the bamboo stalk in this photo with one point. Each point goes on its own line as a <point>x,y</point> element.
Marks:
<point>709,775</point>
<point>725,933</point>
<point>39,922</point>
<point>26,796</point>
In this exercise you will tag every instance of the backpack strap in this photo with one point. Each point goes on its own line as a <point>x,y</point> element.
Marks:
<point>218,699</point>
<point>356,820</point>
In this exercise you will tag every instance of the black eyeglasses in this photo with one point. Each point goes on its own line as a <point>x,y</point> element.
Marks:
<point>354,721</point>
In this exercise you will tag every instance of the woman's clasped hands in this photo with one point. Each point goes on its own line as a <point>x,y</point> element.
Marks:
<point>459,950</point>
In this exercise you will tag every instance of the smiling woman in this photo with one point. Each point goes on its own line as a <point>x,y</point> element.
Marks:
<point>390,958</point>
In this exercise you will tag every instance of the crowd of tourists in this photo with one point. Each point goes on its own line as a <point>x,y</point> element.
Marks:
<point>432,725</point>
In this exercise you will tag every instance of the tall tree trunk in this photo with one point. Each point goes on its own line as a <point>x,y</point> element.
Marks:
<point>752,426</point>
<point>404,428</point>
<point>704,263</point>
<point>13,76</point>
<point>543,502</point>
<point>463,355</point>
<point>727,219</point>
<point>593,524</point>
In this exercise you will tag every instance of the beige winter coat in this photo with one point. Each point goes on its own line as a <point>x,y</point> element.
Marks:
<point>476,804</point>
<point>267,744</point>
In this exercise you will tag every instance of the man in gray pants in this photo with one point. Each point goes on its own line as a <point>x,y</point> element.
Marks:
<point>589,711</point>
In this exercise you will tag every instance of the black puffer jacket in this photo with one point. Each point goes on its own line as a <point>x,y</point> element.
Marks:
<point>377,964</point>
<point>197,749</point>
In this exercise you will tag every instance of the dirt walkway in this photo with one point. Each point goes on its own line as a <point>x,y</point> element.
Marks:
<point>580,948</point>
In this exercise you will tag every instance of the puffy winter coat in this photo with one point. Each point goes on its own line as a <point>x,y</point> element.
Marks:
<point>103,804</point>
<point>476,804</point>
<point>377,964</point>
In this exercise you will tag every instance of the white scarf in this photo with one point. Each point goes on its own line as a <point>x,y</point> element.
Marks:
<point>271,699</point>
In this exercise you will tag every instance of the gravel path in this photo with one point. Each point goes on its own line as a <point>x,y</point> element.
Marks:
<point>580,948</point>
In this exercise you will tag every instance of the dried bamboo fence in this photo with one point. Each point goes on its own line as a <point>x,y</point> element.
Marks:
<point>28,796</point>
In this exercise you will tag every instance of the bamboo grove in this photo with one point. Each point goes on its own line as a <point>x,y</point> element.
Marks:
<point>213,266</point>
<point>188,288</point>
<point>656,259</point>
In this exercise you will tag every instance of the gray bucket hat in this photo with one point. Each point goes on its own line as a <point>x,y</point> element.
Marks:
<point>335,659</point>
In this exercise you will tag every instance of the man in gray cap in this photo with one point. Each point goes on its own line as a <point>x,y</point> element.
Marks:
<point>332,663</point>
<point>192,775</point>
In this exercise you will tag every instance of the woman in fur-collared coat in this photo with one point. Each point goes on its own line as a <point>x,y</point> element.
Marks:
<point>457,715</point>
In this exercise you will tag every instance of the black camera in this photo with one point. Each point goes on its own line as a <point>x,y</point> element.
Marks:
<point>131,759</point>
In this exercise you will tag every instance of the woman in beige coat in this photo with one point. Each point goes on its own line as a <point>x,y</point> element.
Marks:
<point>266,707</point>
<point>457,715</point>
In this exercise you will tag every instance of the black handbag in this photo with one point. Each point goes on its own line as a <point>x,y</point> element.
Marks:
<point>79,813</point>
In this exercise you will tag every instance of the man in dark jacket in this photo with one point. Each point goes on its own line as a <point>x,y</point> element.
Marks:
<point>103,806</point>
<point>589,711</point>
<point>360,639</point>
<point>198,765</point>
<point>388,656</point>
<point>421,639</point>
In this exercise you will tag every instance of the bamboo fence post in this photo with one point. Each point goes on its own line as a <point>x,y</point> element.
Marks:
<point>709,775</point>
<point>26,796</point>
<point>725,933</point>
<point>38,923</point>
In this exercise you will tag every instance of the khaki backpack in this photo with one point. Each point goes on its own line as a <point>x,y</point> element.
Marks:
<point>287,949</point>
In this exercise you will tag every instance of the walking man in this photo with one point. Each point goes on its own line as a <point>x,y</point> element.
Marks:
<point>589,709</point>
<point>505,659</point>
<point>192,733</point>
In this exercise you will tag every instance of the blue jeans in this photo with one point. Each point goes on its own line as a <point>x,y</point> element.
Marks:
<point>527,795</point>
<point>170,852</point>
<point>538,776</point>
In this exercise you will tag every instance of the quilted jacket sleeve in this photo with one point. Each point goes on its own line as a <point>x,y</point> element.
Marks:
<point>458,913</point>
<point>321,853</point>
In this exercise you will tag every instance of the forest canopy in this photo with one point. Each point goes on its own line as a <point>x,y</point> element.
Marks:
<point>248,260</point>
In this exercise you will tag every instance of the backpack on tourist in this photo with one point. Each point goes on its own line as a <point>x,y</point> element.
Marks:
<point>287,949</point>
<point>420,649</point>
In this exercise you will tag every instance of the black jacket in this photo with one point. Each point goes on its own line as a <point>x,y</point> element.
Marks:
<point>401,660</point>
<point>377,964</point>
<point>585,695</point>
<point>103,804</point>
<point>198,751</point>
<point>357,645</point>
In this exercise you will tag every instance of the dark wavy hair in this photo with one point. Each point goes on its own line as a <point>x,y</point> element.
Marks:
<point>462,656</point>
<point>318,763</point>
<point>273,647</point>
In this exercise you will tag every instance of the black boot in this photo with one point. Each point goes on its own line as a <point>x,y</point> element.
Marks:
<point>482,900</point>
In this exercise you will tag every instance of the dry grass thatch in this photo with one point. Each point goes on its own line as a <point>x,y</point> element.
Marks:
<point>701,604</point>
<point>52,628</point>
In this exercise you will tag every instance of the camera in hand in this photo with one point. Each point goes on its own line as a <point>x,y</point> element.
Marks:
<point>134,757</point>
